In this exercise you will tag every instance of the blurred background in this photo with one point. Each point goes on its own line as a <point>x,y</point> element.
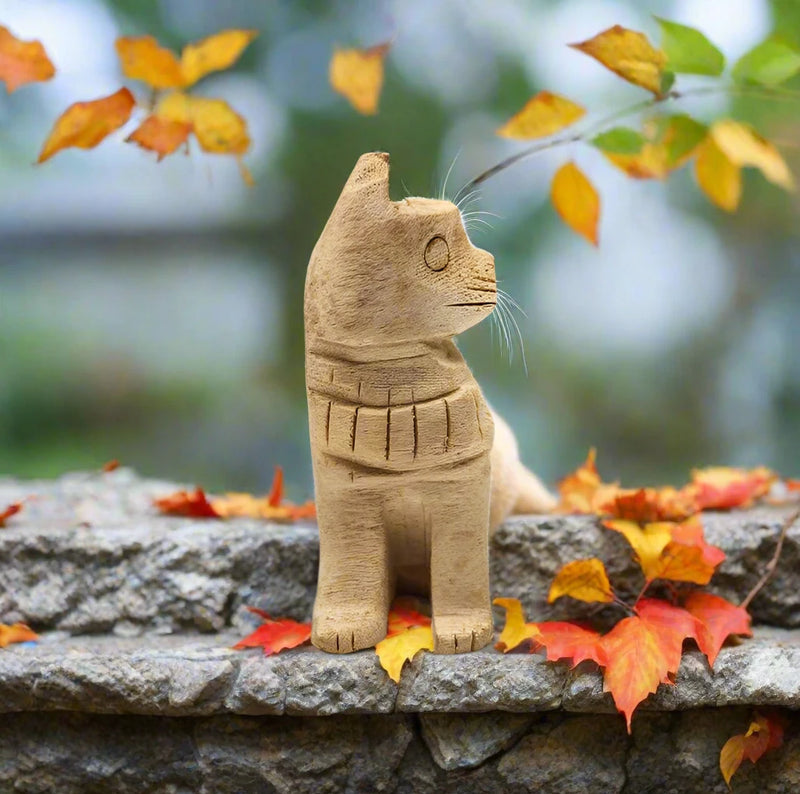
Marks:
<point>153,312</point>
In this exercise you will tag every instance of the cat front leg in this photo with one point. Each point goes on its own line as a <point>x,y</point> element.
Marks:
<point>354,587</point>
<point>458,509</point>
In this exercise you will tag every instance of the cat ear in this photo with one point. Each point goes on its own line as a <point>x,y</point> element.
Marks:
<point>370,177</point>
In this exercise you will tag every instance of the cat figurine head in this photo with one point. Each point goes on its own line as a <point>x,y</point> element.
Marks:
<point>387,272</point>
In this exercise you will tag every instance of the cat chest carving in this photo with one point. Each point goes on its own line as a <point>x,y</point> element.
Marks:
<point>407,414</point>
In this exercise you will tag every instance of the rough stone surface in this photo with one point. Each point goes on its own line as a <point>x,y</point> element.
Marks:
<point>90,554</point>
<point>202,675</point>
<point>106,754</point>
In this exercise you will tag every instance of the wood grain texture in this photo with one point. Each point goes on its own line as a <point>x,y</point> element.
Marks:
<point>411,467</point>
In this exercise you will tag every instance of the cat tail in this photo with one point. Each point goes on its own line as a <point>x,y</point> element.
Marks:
<point>532,496</point>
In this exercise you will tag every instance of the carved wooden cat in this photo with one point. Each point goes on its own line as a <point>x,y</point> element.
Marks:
<point>411,468</point>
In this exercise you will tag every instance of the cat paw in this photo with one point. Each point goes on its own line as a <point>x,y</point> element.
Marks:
<point>462,633</point>
<point>345,631</point>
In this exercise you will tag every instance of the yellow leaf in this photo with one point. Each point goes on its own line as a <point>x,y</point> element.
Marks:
<point>576,201</point>
<point>394,651</point>
<point>85,124</point>
<point>584,580</point>
<point>542,115</point>
<point>647,542</point>
<point>22,62</point>
<point>628,54</point>
<point>217,126</point>
<point>160,135</point>
<point>214,53</point>
<point>516,630</point>
<point>743,146</point>
<point>358,76</point>
<point>718,177</point>
<point>143,58</point>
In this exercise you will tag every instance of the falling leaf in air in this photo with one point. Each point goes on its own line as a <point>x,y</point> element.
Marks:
<point>17,632</point>
<point>275,635</point>
<point>764,733</point>
<point>584,580</point>
<point>160,135</point>
<point>723,487</point>
<point>743,146</point>
<point>719,619</point>
<point>85,124</point>
<point>409,633</point>
<point>9,511</point>
<point>184,503</point>
<point>358,76</point>
<point>718,176</point>
<point>214,53</point>
<point>22,62</point>
<point>541,116</point>
<point>576,201</point>
<point>628,54</point>
<point>583,491</point>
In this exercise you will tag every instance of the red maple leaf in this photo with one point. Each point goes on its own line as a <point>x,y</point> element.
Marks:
<point>275,635</point>
<point>718,619</point>
<point>11,510</point>
<point>184,503</point>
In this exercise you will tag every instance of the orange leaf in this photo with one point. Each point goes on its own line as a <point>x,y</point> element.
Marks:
<point>358,76</point>
<point>576,201</point>
<point>111,465</point>
<point>583,490</point>
<point>218,127</point>
<point>584,580</point>
<point>183,503</point>
<point>722,488</point>
<point>275,635</point>
<point>717,176</point>
<point>305,510</point>
<point>403,615</point>
<point>568,641</point>
<point>85,124</point>
<point>628,54</point>
<point>542,115</point>
<point>792,485</point>
<point>22,62</point>
<point>276,491</point>
<point>644,651</point>
<point>764,734</point>
<point>647,505</point>
<point>403,644</point>
<point>18,632</point>
<point>719,619</point>
<point>516,630</point>
<point>143,58</point>
<point>11,510</point>
<point>160,135</point>
<point>213,54</point>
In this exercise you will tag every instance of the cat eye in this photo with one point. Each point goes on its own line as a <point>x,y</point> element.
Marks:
<point>437,254</point>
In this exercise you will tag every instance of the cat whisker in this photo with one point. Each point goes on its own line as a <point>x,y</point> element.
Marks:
<point>503,326</point>
<point>503,299</point>
<point>513,303</point>
<point>465,200</point>
<point>481,212</point>
<point>405,187</point>
<point>443,191</point>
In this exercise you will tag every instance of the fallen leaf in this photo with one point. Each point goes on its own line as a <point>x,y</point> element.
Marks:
<point>646,505</point>
<point>719,620</point>
<point>647,542</point>
<point>576,201</point>
<point>213,54</point>
<point>688,50</point>
<point>764,733</point>
<point>143,58</point>
<point>516,630</point>
<point>9,511</point>
<point>628,54</point>
<point>792,485</point>
<point>723,487</point>
<point>218,127</point>
<point>743,146</point>
<point>85,124</point>
<point>568,641</point>
<point>22,62</point>
<point>276,489</point>
<point>718,177</point>
<point>111,465</point>
<point>18,632</point>
<point>770,63</point>
<point>644,651</point>
<point>541,116</point>
<point>401,647</point>
<point>584,580</point>
<point>160,135</point>
<point>358,76</point>
<point>275,635</point>
<point>183,503</point>
<point>583,491</point>
<point>405,614</point>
